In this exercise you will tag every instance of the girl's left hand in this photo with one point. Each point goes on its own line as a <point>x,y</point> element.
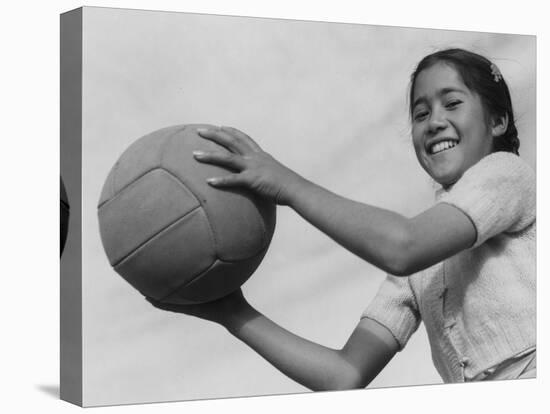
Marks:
<point>226,311</point>
<point>254,169</point>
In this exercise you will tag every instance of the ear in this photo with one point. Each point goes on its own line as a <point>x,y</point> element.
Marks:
<point>499,125</point>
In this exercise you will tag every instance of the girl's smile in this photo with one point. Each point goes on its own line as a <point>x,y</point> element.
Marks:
<point>451,130</point>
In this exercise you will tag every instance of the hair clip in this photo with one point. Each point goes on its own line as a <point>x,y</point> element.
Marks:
<point>497,76</point>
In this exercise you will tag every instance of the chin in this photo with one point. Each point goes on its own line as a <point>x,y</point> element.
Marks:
<point>446,180</point>
<point>447,173</point>
<point>446,183</point>
<point>445,176</point>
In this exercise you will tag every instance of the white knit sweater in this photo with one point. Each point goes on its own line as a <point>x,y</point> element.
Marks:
<point>479,306</point>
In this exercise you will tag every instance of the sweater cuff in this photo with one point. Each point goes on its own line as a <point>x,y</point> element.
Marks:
<point>394,307</point>
<point>497,194</point>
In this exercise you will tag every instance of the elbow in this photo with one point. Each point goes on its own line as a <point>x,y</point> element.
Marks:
<point>402,260</point>
<point>401,269</point>
<point>337,381</point>
<point>343,383</point>
<point>347,378</point>
<point>351,384</point>
<point>343,374</point>
<point>355,380</point>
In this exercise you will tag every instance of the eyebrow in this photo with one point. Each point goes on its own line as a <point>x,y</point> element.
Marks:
<point>441,92</point>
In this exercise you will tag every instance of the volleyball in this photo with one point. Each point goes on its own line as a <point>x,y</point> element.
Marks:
<point>168,233</point>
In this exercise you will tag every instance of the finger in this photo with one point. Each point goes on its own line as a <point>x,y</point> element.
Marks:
<point>225,139</point>
<point>222,159</point>
<point>171,307</point>
<point>156,303</point>
<point>243,137</point>
<point>231,180</point>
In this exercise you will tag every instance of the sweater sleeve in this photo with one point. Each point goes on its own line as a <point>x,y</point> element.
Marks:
<point>395,307</point>
<point>498,194</point>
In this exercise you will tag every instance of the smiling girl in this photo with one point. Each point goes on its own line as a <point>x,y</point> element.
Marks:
<point>465,267</point>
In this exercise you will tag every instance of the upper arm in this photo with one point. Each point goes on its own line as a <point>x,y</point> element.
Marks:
<point>436,234</point>
<point>369,349</point>
<point>498,194</point>
<point>495,195</point>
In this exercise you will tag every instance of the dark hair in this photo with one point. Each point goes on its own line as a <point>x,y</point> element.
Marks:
<point>482,78</point>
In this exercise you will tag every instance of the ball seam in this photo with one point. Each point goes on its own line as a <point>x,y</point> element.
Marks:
<point>130,184</point>
<point>262,253</point>
<point>212,232</point>
<point>154,236</point>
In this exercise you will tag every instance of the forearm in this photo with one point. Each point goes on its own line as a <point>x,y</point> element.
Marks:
<point>392,242</point>
<point>310,364</point>
<point>379,236</point>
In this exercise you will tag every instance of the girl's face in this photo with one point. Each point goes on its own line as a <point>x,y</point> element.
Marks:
<point>450,129</point>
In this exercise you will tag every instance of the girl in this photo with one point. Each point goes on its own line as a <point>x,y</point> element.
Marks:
<point>465,267</point>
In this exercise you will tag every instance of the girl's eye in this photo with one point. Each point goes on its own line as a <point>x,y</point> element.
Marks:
<point>453,104</point>
<point>419,116</point>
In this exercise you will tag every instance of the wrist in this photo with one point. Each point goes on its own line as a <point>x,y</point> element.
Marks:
<point>294,188</point>
<point>234,314</point>
<point>237,319</point>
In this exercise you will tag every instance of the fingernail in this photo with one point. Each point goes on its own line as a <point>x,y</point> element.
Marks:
<point>200,130</point>
<point>198,153</point>
<point>212,180</point>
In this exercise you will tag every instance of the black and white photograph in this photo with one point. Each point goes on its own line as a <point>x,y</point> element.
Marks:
<point>275,206</point>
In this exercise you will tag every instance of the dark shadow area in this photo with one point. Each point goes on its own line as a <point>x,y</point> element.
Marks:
<point>50,389</point>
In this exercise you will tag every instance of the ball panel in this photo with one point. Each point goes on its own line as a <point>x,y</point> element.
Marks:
<point>219,280</point>
<point>246,223</point>
<point>267,212</point>
<point>172,258</point>
<point>63,192</point>
<point>107,192</point>
<point>140,157</point>
<point>64,213</point>
<point>141,210</point>
<point>64,225</point>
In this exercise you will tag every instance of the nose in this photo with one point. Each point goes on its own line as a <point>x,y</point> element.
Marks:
<point>437,121</point>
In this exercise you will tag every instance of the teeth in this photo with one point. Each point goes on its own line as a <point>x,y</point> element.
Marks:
<point>442,146</point>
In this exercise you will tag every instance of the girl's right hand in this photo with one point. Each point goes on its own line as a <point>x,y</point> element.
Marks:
<point>253,168</point>
<point>223,311</point>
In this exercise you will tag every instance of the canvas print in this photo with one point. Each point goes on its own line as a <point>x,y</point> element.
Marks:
<point>258,206</point>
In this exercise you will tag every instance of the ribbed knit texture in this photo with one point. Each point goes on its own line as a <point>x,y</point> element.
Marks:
<point>479,306</point>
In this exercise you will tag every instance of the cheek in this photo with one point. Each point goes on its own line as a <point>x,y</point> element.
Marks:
<point>480,134</point>
<point>417,140</point>
<point>419,152</point>
<point>476,122</point>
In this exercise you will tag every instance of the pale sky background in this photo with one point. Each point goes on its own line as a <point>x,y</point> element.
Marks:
<point>328,100</point>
